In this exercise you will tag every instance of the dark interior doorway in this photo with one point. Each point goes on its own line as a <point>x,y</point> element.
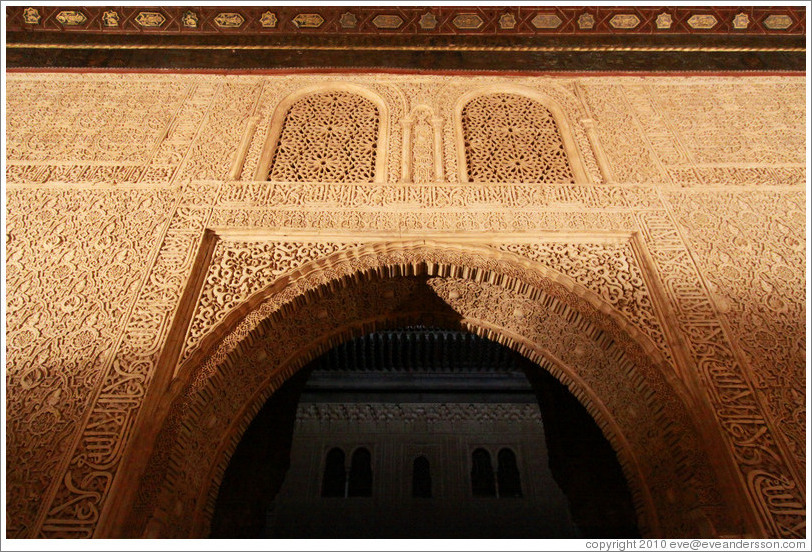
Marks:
<point>423,433</point>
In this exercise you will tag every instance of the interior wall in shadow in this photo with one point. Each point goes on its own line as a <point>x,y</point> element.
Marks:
<point>583,462</point>
<point>259,465</point>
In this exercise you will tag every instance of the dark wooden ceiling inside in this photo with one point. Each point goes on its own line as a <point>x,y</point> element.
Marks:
<point>448,38</point>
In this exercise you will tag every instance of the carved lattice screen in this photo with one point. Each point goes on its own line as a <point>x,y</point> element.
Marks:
<point>511,138</point>
<point>327,137</point>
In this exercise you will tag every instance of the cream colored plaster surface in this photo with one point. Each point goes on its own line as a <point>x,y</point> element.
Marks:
<point>144,237</point>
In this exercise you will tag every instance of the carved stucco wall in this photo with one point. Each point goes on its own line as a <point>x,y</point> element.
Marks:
<point>134,229</point>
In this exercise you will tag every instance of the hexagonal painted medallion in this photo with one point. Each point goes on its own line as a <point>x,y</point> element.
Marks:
<point>150,19</point>
<point>467,21</point>
<point>624,21</point>
<point>702,21</point>
<point>546,21</point>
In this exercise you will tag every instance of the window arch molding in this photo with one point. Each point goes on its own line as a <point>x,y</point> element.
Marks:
<point>278,120</point>
<point>561,120</point>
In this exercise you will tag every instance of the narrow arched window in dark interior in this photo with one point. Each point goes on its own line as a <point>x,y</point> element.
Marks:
<point>482,483</point>
<point>335,475</point>
<point>361,473</point>
<point>507,475</point>
<point>421,478</point>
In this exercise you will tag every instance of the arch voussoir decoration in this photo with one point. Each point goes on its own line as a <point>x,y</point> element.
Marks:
<point>612,368</point>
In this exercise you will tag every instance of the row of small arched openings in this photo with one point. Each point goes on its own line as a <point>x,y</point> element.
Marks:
<point>355,480</point>
<point>338,136</point>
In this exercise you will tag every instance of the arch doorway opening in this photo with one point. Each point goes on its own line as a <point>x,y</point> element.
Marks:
<point>423,432</point>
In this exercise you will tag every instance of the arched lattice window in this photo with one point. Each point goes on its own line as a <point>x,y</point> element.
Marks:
<point>327,137</point>
<point>507,475</point>
<point>360,483</point>
<point>421,478</point>
<point>512,138</point>
<point>482,483</point>
<point>335,475</point>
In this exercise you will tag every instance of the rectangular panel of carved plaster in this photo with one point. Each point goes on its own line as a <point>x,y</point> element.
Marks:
<point>76,263</point>
<point>747,246</point>
<point>737,136</point>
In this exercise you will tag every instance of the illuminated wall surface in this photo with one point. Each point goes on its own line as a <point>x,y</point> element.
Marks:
<point>641,238</point>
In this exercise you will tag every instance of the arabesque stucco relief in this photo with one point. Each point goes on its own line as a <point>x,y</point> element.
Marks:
<point>140,240</point>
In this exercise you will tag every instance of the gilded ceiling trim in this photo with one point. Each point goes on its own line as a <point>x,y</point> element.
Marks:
<point>719,38</point>
<point>412,20</point>
<point>375,48</point>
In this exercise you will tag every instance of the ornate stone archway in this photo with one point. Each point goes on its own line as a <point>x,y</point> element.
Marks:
<point>613,368</point>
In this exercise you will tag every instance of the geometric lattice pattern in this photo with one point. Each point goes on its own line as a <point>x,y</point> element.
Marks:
<point>327,137</point>
<point>511,138</point>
